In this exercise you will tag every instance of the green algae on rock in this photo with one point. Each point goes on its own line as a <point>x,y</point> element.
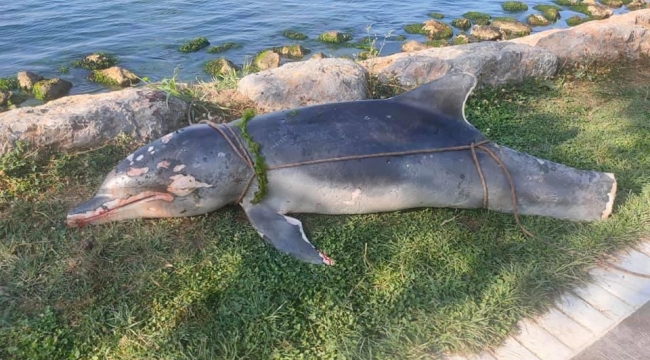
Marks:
<point>514,6</point>
<point>577,20</point>
<point>537,20</point>
<point>478,18</point>
<point>436,15</point>
<point>223,47</point>
<point>194,45</point>
<point>8,83</point>
<point>461,23</point>
<point>294,35</point>
<point>550,12</point>
<point>294,51</point>
<point>114,76</point>
<point>414,28</point>
<point>334,37</point>
<point>96,61</point>
<point>51,89</point>
<point>219,67</point>
<point>436,30</point>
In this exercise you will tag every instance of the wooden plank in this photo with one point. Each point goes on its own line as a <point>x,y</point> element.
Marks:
<point>584,314</point>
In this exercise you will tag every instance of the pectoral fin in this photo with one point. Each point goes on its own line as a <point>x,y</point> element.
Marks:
<point>284,233</point>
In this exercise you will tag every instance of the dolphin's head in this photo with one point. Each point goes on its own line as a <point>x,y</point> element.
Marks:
<point>189,172</point>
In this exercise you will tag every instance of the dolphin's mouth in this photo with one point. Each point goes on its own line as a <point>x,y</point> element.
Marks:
<point>102,207</point>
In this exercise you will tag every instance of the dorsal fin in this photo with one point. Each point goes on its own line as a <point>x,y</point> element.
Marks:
<point>446,95</point>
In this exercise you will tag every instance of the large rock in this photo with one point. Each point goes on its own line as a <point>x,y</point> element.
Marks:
<point>597,10</point>
<point>512,28</point>
<point>494,63</point>
<point>51,89</point>
<point>26,79</point>
<point>306,83</point>
<point>485,32</point>
<point>267,59</point>
<point>87,121</point>
<point>624,36</point>
<point>437,29</point>
<point>115,76</point>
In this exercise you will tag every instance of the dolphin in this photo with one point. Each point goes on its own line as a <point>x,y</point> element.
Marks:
<point>353,157</point>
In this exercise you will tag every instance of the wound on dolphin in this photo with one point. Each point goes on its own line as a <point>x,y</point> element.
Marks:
<point>414,150</point>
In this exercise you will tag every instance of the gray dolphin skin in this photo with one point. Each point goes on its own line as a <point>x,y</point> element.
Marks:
<point>198,169</point>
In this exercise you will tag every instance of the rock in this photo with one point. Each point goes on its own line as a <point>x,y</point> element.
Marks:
<point>292,51</point>
<point>636,4</point>
<point>26,79</point>
<point>596,10</point>
<point>306,83</point>
<point>550,12</point>
<point>96,61</point>
<point>460,39</point>
<point>437,30</point>
<point>460,23</point>
<point>412,45</point>
<point>537,20</point>
<point>511,27</point>
<point>485,32</point>
<point>115,76</point>
<point>318,55</point>
<point>4,97</point>
<point>87,121</point>
<point>219,67</point>
<point>514,6</point>
<point>51,89</point>
<point>494,63</point>
<point>612,3</point>
<point>267,59</point>
<point>334,37</point>
<point>621,37</point>
<point>576,20</point>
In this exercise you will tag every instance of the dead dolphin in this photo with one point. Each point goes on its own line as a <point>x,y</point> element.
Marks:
<point>343,158</point>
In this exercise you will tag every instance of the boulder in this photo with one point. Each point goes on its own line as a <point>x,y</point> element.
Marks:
<point>219,67</point>
<point>88,121</point>
<point>597,10</point>
<point>459,39</point>
<point>461,23</point>
<point>493,63</point>
<point>318,55</point>
<point>412,45</point>
<point>292,51</point>
<point>306,83</point>
<point>51,89</point>
<point>624,36</point>
<point>436,30</point>
<point>26,79</point>
<point>511,27</point>
<point>96,61</point>
<point>537,20</point>
<point>267,59</point>
<point>115,76</point>
<point>636,4</point>
<point>485,32</point>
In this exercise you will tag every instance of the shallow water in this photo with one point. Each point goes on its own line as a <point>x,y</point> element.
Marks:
<point>41,36</point>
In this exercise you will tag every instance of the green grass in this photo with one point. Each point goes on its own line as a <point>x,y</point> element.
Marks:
<point>406,284</point>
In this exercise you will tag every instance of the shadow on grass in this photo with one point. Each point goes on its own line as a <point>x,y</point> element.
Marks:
<point>406,284</point>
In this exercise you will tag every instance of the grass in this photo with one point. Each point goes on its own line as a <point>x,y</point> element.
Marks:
<point>407,284</point>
